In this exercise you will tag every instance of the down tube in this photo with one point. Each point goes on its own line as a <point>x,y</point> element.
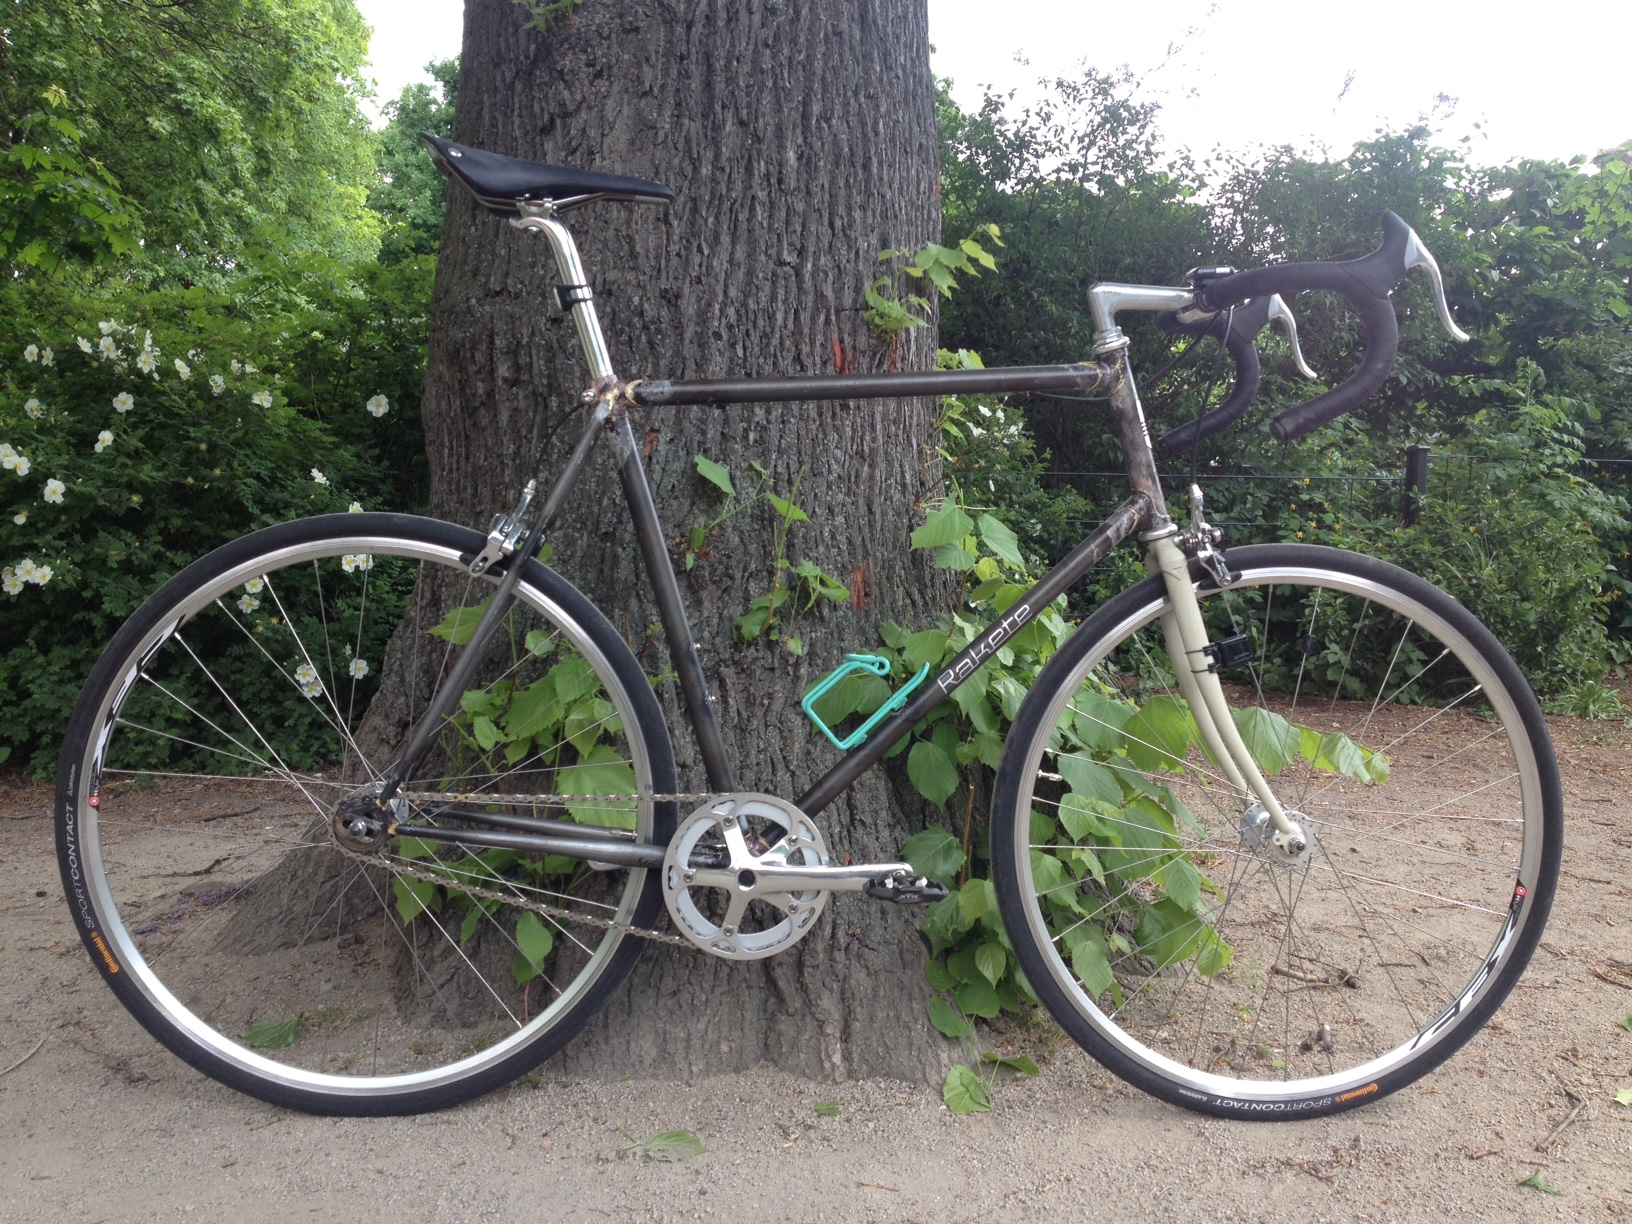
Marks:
<point>1124,520</point>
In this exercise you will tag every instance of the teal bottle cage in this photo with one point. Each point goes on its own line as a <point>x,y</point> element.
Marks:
<point>854,663</point>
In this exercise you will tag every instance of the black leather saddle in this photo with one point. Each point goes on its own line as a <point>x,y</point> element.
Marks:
<point>501,182</point>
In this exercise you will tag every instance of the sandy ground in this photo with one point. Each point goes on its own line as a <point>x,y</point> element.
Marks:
<point>101,1124</point>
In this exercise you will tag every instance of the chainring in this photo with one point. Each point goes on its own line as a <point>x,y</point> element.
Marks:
<point>717,847</point>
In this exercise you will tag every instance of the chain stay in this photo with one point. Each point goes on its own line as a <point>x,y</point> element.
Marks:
<point>560,913</point>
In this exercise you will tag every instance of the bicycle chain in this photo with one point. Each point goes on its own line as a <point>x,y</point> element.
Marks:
<point>538,907</point>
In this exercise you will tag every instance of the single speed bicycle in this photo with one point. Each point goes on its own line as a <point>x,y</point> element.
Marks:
<point>1273,834</point>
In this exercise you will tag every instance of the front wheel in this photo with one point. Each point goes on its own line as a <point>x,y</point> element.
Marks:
<point>233,713</point>
<point>1147,904</point>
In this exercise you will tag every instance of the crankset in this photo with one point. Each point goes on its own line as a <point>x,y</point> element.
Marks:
<point>746,876</point>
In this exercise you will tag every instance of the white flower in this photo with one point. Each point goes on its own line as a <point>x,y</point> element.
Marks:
<point>54,490</point>
<point>84,344</point>
<point>31,353</point>
<point>306,677</point>
<point>104,440</point>
<point>108,346</point>
<point>248,604</point>
<point>255,586</point>
<point>345,346</point>
<point>20,517</point>
<point>10,581</point>
<point>263,398</point>
<point>217,384</point>
<point>147,342</point>
<point>237,367</point>
<point>194,355</point>
<point>355,508</point>
<point>379,405</point>
<point>983,410</point>
<point>6,452</point>
<point>248,369</point>
<point>147,361</point>
<point>358,669</point>
<point>356,561</point>
<point>123,402</point>
<point>27,571</point>
<point>47,357</point>
<point>318,476</point>
<point>22,465</point>
<point>42,574</point>
<point>24,570</point>
<point>181,368</point>
<point>33,409</point>
<point>107,328</point>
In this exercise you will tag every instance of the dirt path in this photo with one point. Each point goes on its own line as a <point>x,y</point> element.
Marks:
<point>102,1124</point>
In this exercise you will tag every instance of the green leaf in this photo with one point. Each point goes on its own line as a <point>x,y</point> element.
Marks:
<point>1088,778</point>
<point>1100,721</point>
<point>787,510</point>
<point>1093,969</point>
<point>1081,818</point>
<point>1159,734</point>
<point>948,525</point>
<point>1182,882</point>
<point>954,557</point>
<point>1626,1023</point>
<point>1215,955</point>
<point>273,1034</point>
<point>1537,1182</point>
<point>828,1109</point>
<point>460,623</point>
<point>1000,539</point>
<point>539,641</point>
<point>671,1146</point>
<point>1014,1062</point>
<point>963,1092</point>
<point>926,647</point>
<point>976,898</point>
<point>414,897</point>
<point>946,1019</point>
<point>535,940</point>
<point>1273,741</point>
<point>933,772</point>
<point>715,475</point>
<point>938,974</point>
<point>978,998</point>
<point>487,735</point>
<point>934,853</point>
<point>1169,933</point>
<point>601,771</point>
<point>991,961</point>
<point>1623,1096</point>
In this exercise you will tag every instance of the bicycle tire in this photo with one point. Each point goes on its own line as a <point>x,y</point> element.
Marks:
<point>206,752</point>
<point>1244,987</point>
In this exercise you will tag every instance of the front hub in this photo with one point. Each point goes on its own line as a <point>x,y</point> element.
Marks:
<point>1293,848</point>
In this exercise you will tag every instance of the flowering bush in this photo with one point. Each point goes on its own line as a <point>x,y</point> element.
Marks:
<point>132,444</point>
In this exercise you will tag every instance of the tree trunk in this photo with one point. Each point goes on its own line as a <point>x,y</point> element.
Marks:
<point>800,140</point>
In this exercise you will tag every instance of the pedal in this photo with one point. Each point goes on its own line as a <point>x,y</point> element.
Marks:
<point>903,889</point>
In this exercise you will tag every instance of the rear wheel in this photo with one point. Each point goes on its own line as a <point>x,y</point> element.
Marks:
<point>1170,939</point>
<point>208,752</point>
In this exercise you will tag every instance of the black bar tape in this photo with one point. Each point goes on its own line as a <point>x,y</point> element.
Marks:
<point>1365,284</point>
<point>1244,325</point>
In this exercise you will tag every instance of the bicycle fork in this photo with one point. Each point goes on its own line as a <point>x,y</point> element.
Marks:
<point>1196,663</point>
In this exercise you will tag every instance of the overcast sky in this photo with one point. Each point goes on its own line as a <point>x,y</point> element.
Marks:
<point>1538,81</point>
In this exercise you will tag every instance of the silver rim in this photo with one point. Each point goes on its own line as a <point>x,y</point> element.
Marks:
<point>1354,964</point>
<point>180,860</point>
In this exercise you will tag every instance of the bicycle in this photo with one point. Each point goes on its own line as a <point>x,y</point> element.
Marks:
<point>1273,834</point>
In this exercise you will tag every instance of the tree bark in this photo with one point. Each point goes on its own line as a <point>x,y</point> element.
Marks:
<point>799,137</point>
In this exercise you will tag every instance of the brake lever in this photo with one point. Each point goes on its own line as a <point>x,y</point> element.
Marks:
<point>1417,255</point>
<point>1280,312</point>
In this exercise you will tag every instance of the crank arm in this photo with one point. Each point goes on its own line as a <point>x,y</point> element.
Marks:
<point>779,878</point>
